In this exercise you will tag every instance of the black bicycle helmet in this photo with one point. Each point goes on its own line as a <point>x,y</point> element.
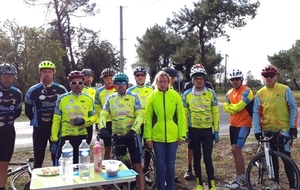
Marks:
<point>88,72</point>
<point>139,69</point>
<point>170,71</point>
<point>6,68</point>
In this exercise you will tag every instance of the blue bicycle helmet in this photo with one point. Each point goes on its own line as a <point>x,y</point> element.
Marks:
<point>120,77</point>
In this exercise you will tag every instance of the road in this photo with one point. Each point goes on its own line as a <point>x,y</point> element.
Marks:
<point>24,131</point>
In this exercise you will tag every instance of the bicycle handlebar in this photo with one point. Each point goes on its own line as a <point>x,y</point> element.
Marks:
<point>279,134</point>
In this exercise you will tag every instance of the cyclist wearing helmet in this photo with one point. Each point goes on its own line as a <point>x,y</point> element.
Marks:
<point>188,174</point>
<point>275,109</point>
<point>88,80</point>
<point>172,73</point>
<point>11,106</point>
<point>143,91</point>
<point>74,112</point>
<point>39,107</point>
<point>202,110</point>
<point>239,104</point>
<point>127,116</point>
<point>100,98</point>
<point>189,85</point>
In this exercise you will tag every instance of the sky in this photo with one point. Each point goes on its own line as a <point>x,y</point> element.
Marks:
<point>276,27</point>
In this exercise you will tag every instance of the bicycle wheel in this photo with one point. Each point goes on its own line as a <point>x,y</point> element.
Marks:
<point>257,172</point>
<point>149,167</point>
<point>21,180</point>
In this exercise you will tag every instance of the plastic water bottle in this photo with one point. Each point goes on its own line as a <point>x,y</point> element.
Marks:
<point>97,157</point>
<point>60,163</point>
<point>84,160</point>
<point>67,161</point>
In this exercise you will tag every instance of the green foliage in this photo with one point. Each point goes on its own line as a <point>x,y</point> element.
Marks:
<point>96,55</point>
<point>154,48</point>
<point>25,48</point>
<point>288,64</point>
<point>210,18</point>
<point>62,29</point>
<point>252,82</point>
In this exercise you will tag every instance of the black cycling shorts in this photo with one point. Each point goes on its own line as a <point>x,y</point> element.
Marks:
<point>107,141</point>
<point>7,144</point>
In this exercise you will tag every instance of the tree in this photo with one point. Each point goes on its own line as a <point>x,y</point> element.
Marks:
<point>97,55</point>
<point>25,48</point>
<point>154,49</point>
<point>252,82</point>
<point>64,31</point>
<point>210,18</point>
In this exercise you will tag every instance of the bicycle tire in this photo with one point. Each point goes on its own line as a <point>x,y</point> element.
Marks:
<point>21,180</point>
<point>258,165</point>
<point>151,170</point>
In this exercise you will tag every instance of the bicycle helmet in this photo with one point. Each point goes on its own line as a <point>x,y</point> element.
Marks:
<point>108,72</point>
<point>236,73</point>
<point>6,68</point>
<point>198,65</point>
<point>140,69</point>
<point>269,70</point>
<point>47,65</point>
<point>170,71</point>
<point>120,77</point>
<point>74,74</point>
<point>88,72</point>
<point>198,71</point>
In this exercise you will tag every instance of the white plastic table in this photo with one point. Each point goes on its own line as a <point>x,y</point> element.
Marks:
<point>96,179</point>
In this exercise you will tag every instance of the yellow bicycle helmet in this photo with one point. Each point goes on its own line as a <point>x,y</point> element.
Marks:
<point>47,65</point>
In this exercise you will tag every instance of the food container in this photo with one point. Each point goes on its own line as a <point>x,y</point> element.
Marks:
<point>112,170</point>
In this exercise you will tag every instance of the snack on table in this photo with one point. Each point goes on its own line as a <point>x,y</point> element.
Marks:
<point>50,171</point>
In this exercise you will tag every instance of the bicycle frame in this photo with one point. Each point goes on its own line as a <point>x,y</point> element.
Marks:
<point>269,161</point>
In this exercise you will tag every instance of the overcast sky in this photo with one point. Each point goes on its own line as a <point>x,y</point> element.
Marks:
<point>276,27</point>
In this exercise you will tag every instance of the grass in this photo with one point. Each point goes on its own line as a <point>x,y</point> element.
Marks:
<point>222,157</point>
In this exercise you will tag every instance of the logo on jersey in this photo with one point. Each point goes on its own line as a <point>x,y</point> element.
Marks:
<point>12,107</point>
<point>71,101</point>
<point>42,97</point>
<point>68,107</point>
<point>1,94</point>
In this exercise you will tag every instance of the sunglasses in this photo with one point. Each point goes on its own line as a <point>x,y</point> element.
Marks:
<point>78,82</point>
<point>140,75</point>
<point>267,76</point>
<point>235,79</point>
<point>120,82</point>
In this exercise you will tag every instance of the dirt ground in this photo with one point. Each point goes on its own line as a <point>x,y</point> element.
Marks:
<point>222,158</point>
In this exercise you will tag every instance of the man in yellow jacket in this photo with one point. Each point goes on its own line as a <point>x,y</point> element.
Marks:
<point>74,112</point>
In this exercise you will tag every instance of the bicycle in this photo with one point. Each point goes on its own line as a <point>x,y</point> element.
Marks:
<point>262,164</point>
<point>119,152</point>
<point>21,175</point>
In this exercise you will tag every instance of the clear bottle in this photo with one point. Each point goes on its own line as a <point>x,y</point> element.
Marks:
<point>97,157</point>
<point>84,160</point>
<point>67,161</point>
<point>60,162</point>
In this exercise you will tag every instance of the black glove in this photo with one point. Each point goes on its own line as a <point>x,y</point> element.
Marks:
<point>293,132</point>
<point>103,134</point>
<point>130,134</point>
<point>258,136</point>
<point>78,121</point>
<point>53,148</point>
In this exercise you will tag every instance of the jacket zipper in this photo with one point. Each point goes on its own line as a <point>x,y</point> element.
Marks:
<point>165,118</point>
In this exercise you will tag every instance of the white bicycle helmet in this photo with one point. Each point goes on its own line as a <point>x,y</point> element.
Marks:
<point>236,73</point>
<point>198,70</point>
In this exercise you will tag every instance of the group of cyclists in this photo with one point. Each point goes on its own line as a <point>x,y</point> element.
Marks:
<point>156,115</point>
